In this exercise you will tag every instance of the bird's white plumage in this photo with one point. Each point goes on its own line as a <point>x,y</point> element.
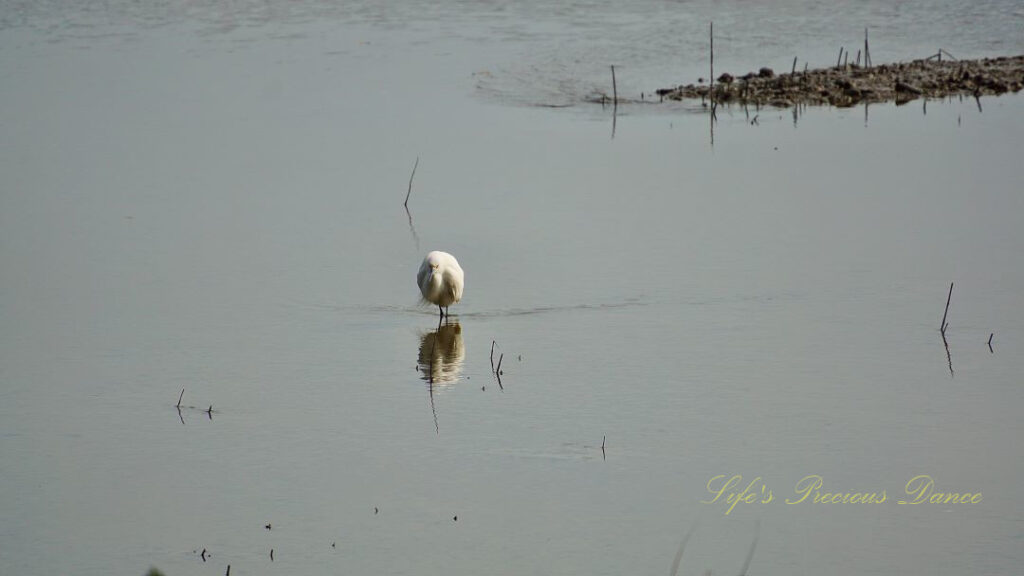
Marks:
<point>440,279</point>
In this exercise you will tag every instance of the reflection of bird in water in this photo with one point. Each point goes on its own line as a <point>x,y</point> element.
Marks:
<point>441,354</point>
<point>440,359</point>
<point>440,280</point>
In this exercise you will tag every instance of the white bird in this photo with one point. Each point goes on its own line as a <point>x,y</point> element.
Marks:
<point>440,280</point>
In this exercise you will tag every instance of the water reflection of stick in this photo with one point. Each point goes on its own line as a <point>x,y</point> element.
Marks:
<point>433,409</point>
<point>679,553</point>
<point>406,203</point>
<point>433,346</point>
<point>949,357</point>
<point>615,118</point>
<point>753,545</point>
<point>990,342</point>
<point>412,228</point>
<point>942,327</point>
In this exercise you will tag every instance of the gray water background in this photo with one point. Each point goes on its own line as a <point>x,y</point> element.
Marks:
<point>208,196</point>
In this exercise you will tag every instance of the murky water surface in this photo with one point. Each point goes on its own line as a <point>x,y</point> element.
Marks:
<point>208,197</point>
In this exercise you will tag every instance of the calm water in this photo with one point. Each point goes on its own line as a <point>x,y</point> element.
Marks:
<point>209,197</point>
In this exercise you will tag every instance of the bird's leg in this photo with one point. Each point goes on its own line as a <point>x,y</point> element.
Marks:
<point>439,309</point>
<point>445,314</point>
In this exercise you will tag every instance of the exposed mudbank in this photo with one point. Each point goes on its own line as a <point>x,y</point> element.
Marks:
<point>848,85</point>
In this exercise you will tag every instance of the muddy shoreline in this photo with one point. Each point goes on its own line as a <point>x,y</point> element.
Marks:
<point>848,85</point>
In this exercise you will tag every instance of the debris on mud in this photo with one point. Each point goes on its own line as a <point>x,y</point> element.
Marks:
<point>850,84</point>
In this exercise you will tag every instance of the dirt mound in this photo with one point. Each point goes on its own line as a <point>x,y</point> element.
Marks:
<point>847,85</point>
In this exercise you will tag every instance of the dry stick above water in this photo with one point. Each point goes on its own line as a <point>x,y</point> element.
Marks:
<point>615,90</point>
<point>406,203</point>
<point>711,89</point>
<point>178,405</point>
<point>867,53</point>
<point>942,327</point>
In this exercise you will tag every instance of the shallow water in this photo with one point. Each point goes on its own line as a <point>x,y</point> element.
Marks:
<point>210,198</point>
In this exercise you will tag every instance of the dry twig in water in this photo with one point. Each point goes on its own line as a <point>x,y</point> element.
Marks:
<point>942,327</point>
<point>406,203</point>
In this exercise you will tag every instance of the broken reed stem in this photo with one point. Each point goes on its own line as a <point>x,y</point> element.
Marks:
<point>615,90</point>
<point>990,339</point>
<point>857,63</point>
<point>711,40</point>
<point>178,405</point>
<point>793,70</point>
<point>603,438</point>
<point>492,354</point>
<point>500,358</point>
<point>840,58</point>
<point>406,203</point>
<point>942,327</point>
<point>867,53</point>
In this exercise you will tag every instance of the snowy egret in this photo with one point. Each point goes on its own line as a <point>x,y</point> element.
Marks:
<point>440,280</point>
